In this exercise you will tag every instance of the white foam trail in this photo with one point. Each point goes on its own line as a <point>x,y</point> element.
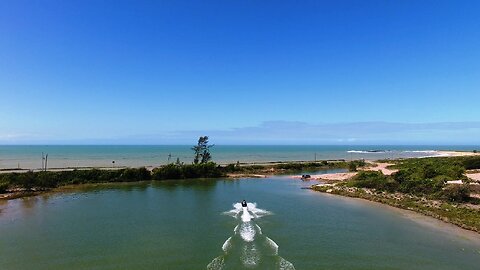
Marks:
<point>247,231</point>
<point>250,256</point>
<point>259,229</point>
<point>253,211</point>
<point>250,241</point>
<point>246,217</point>
<point>216,264</point>
<point>273,245</point>
<point>227,244</point>
<point>285,265</point>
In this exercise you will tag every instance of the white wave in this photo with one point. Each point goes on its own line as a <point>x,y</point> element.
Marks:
<point>216,264</point>
<point>247,232</point>
<point>227,245</point>
<point>253,211</point>
<point>285,265</point>
<point>272,245</point>
<point>246,217</point>
<point>258,229</point>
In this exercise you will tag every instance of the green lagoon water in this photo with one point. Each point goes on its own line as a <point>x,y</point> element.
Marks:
<point>185,224</point>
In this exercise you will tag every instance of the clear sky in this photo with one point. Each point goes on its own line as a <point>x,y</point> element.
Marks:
<point>244,71</point>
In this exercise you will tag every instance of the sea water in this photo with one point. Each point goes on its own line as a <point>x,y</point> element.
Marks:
<point>62,156</point>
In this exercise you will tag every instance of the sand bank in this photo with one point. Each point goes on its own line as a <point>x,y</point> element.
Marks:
<point>382,167</point>
<point>474,176</point>
<point>456,153</point>
<point>329,176</point>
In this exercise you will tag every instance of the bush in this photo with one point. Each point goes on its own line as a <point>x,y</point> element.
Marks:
<point>471,163</point>
<point>135,174</point>
<point>201,170</point>
<point>230,168</point>
<point>372,179</point>
<point>3,187</point>
<point>457,193</point>
<point>170,171</point>
<point>352,167</point>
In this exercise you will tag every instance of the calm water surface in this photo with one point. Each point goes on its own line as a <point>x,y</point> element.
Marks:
<point>60,156</point>
<point>184,224</point>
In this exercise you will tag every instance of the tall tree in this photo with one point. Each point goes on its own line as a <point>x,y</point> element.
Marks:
<point>202,150</point>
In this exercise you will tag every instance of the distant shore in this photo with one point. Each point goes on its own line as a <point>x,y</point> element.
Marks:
<point>426,153</point>
<point>29,157</point>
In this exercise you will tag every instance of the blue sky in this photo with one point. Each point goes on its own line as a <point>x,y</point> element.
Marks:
<point>268,72</point>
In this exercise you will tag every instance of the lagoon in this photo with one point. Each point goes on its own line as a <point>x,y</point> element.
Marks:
<point>185,224</point>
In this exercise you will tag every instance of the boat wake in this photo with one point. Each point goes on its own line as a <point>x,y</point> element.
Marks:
<point>248,248</point>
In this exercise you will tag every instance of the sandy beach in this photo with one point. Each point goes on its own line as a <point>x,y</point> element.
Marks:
<point>328,176</point>
<point>380,166</point>
<point>456,153</point>
<point>474,176</point>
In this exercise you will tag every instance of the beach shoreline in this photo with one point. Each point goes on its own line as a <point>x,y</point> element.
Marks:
<point>22,158</point>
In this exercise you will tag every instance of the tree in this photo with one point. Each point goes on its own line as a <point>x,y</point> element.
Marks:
<point>352,167</point>
<point>202,151</point>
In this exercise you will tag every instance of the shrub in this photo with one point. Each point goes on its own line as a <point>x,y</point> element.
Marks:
<point>230,168</point>
<point>3,187</point>
<point>370,179</point>
<point>135,174</point>
<point>352,167</point>
<point>170,171</point>
<point>471,163</point>
<point>457,193</point>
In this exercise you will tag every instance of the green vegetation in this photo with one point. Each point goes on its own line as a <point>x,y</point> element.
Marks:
<point>47,179</point>
<point>355,164</point>
<point>423,177</point>
<point>176,171</point>
<point>290,167</point>
<point>3,187</point>
<point>202,151</point>
<point>44,180</point>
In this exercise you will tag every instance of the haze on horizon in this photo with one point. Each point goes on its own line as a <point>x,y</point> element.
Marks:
<point>242,72</point>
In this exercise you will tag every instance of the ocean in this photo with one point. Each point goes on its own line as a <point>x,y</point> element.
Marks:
<point>63,156</point>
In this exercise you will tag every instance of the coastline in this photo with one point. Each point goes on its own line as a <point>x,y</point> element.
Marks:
<point>23,158</point>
